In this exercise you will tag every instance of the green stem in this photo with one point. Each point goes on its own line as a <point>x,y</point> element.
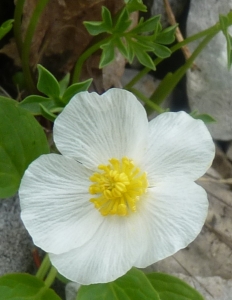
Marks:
<point>17,24</point>
<point>27,44</point>
<point>83,57</point>
<point>175,77</point>
<point>212,30</point>
<point>43,269</point>
<point>51,277</point>
<point>147,101</point>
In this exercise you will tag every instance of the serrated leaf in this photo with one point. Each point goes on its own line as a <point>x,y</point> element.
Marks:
<point>76,88</point>
<point>171,288</point>
<point>132,286</point>
<point>47,83</point>
<point>32,104</point>
<point>108,54</point>
<point>167,36</point>
<point>22,140</point>
<point>63,83</point>
<point>6,27</point>
<point>162,51</point>
<point>25,286</point>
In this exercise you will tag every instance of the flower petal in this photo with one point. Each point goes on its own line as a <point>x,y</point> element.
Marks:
<point>178,144</point>
<point>108,255</point>
<point>55,203</point>
<point>93,128</point>
<point>171,216</point>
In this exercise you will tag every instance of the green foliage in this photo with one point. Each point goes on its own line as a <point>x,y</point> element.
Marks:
<point>225,23</point>
<point>206,118</point>
<point>147,36</point>
<point>132,286</point>
<point>171,288</point>
<point>22,140</point>
<point>5,28</point>
<point>58,94</point>
<point>24,286</point>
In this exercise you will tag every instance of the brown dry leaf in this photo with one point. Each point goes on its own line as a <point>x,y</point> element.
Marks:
<point>60,36</point>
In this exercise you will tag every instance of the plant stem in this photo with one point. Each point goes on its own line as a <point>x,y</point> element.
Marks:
<point>212,30</point>
<point>27,44</point>
<point>17,24</point>
<point>147,101</point>
<point>51,277</point>
<point>177,75</point>
<point>83,57</point>
<point>43,269</point>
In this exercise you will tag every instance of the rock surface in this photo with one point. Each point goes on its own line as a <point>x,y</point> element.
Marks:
<point>210,88</point>
<point>16,245</point>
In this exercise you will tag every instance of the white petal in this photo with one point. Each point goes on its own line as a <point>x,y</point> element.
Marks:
<point>93,128</point>
<point>108,255</point>
<point>55,203</point>
<point>171,217</point>
<point>178,145</point>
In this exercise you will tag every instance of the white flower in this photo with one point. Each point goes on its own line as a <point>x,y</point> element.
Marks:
<point>122,193</point>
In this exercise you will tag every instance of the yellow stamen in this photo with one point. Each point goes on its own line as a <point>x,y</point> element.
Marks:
<point>117,187</point>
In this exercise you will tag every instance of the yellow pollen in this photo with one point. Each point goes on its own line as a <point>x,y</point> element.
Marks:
<point>117,187</point>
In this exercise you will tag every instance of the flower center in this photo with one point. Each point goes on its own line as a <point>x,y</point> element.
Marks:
<point>118,187</point>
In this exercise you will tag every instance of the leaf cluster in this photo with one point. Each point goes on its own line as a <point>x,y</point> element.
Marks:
<point>147,37</point>
<point>58,94</point>
<point>135,285</point>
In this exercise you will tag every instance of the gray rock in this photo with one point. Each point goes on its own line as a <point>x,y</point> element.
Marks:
<point>16,245</point>
<point>210,89</point>
<point>156,7</point>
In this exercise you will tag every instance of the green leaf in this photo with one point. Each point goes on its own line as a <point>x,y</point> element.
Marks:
<point>32,104</point>
<point>6,27</point>
<point>167,36</point>
<point>206,118</point>
<point>48,84</point>
<point>171,288</point>
<point>96,27</point>
<point>63,83</point>
<point>47,114</point>
<point>108,54</point>
<point>25,287</point>
<point>142,56</point>
<point>22,140</point>
<point>76,88</point>
<point>106,17</point>
<point>162,51</point>
<point>148,26</point>
<point>132,286</point>
<point>123,22</point>
<point>135,5</point>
